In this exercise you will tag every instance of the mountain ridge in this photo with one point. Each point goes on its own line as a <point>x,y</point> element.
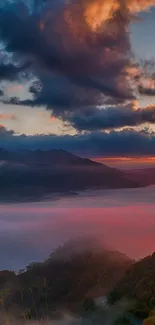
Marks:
<point>138,283</point>
<point>36,174</point>
<point>56,156</point>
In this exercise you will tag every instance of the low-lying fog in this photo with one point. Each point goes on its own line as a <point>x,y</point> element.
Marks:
<point>123,219</point>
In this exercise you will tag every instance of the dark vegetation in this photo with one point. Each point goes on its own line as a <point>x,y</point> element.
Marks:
<point>123,320</point>
<point>138,285</point>
<point>73,276</point>
<point>65,280</point>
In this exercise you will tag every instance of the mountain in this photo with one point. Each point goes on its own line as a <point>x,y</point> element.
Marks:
<point>69,279</point>
<point>44,159</point>
<point>138,284</point>
<point>32,175</point>
<point>144,176</point>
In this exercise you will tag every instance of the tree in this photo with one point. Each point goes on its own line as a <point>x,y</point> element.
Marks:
<point>89,305</point>
<point>122,320</point>
<point>32,265</point>
<point>139,309</point>
<point>113,297</point>
<point>152,303</point>
<point>21,271</point>
<point>149,321</point>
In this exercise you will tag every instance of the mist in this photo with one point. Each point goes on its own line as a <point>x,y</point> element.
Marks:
<point>121,219</point>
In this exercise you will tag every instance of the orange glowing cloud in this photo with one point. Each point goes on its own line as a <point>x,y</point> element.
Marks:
<point>99,11</point>
<point>127,162</point>
<point>128,159</point>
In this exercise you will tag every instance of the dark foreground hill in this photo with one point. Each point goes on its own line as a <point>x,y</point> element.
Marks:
<point>32,175</point>
<point>138,284</point>
<point>67,278</point>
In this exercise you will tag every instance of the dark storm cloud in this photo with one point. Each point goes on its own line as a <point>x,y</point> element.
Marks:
<point>4,132</point>
<point>147,79</point>
<point>107,118</point>
<point>10,72</point>
<point>77,64</point>
<point>60,41</point>
<point>123,143</point>
<point>147,91</point>
<point>60,95</point>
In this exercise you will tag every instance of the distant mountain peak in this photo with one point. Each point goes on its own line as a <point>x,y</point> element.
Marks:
<point>55,171</point>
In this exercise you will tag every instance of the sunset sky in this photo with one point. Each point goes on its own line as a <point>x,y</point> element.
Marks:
<point>79,76</point>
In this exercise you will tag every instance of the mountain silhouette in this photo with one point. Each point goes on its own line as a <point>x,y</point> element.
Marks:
<point>33,175</point>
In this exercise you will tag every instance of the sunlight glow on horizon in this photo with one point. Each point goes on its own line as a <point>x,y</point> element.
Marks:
<point>127,162</point>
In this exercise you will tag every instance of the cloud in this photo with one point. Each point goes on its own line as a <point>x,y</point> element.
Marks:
<point>147,91</point>
<point>94,118</point>
<point>10,71</point>
<point>127,142</point>
<point>86,44</point>
<point>81,56</point>
<point>4,132</point>
<point>1,92</point>
<point>146,77</point>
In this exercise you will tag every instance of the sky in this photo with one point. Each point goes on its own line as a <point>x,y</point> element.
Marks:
<point>78,76</point>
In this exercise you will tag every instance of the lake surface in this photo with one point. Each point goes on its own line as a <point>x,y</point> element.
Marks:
<point>123,219</point>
